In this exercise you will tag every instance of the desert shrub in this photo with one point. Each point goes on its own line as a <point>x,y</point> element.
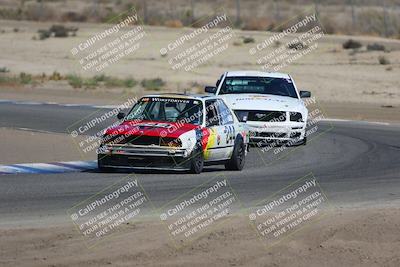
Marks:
<point>376,47</point>
<point>10,13</point>
<point>383,60</point>
<point>90,83</point>
<point>25,78</point>
<point>297,45</point>
<point>351,44</point>
<point>6,79</point>
<point>130,82</point>
<point>75,81</point>
<point>55,76</point>
<point>4,70</point>
<point>153,84</point>
<point>277,43</point>
<point>44,34</point>
<point>59,30</point>
<point>248,40</point>
<point>113,82</point>
<point>176,23</point>
<point>101,78</point>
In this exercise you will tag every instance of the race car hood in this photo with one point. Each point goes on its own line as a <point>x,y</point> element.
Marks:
<point>263,102</point>
<point>151,128</point>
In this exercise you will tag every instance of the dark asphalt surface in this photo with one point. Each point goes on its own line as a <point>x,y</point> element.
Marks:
<point>356,164</point>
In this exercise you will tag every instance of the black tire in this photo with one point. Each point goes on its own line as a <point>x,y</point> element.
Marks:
<point>196,161</point>
<point>304,141</point>
<point>104,169</point>
<point>236,163</point>
<point>100,166</point>
<point>301,142</point>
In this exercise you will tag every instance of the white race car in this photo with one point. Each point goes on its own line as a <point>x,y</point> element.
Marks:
<point>269,102</point>
<point>175,132</point>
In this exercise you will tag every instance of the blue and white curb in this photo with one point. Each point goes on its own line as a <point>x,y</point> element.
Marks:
<point>52,167</point>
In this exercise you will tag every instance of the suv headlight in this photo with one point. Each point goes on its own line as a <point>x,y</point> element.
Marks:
<point>296,116</point>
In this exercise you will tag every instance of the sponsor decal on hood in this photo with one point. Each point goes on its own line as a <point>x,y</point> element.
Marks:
<point>263,102</point>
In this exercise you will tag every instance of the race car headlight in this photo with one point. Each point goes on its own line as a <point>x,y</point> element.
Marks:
<point>296,116</point>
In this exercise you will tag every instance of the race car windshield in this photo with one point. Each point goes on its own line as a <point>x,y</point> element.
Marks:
<point>258,85</point>
<point>167,110</point>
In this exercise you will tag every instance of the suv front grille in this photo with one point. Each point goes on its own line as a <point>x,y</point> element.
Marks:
<point>142,140</point>
<point>264,115</point>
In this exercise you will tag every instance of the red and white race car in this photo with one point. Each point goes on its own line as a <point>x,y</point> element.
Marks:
<point>175,132</point>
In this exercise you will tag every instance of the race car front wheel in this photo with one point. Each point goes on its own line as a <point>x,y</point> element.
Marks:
<point>197,161</point>
<point>100,166</point>
<point>236,163</point>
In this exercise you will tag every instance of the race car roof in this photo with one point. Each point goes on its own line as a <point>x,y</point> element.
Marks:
<point>252,73</point>
<point>183,96</point>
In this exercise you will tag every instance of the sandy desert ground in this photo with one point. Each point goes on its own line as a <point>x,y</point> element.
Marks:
<point>343,237</point>
<point>330,72</point>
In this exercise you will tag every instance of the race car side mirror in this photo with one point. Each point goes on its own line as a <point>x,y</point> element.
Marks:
<point>121,115</point>
<point>210,89</point>
<point>305,94</point>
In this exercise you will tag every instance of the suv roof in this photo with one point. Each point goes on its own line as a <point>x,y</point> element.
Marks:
<point>252,73</point>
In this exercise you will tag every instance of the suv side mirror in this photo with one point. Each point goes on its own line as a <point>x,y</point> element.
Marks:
<point>210,89</point>
<point>305,94</point>
<point>121,115</point>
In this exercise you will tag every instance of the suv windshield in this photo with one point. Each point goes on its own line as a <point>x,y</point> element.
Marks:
<point>167,110</point>
<point>258,85</point>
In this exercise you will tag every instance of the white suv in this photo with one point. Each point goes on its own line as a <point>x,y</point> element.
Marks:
<point>269,102</point>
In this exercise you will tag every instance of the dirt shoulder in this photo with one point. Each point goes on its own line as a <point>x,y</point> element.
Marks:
<point>38,147</point>
<point>352,237</point>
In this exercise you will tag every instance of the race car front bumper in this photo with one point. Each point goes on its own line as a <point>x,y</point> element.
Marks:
<point>277,132</point>
<point>143,157</point>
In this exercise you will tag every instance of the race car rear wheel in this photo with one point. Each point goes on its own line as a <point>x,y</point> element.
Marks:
<point>236,163</point>
<point>196,161</point>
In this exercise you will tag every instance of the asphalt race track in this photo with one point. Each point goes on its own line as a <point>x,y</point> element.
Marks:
<point>356,163</point>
